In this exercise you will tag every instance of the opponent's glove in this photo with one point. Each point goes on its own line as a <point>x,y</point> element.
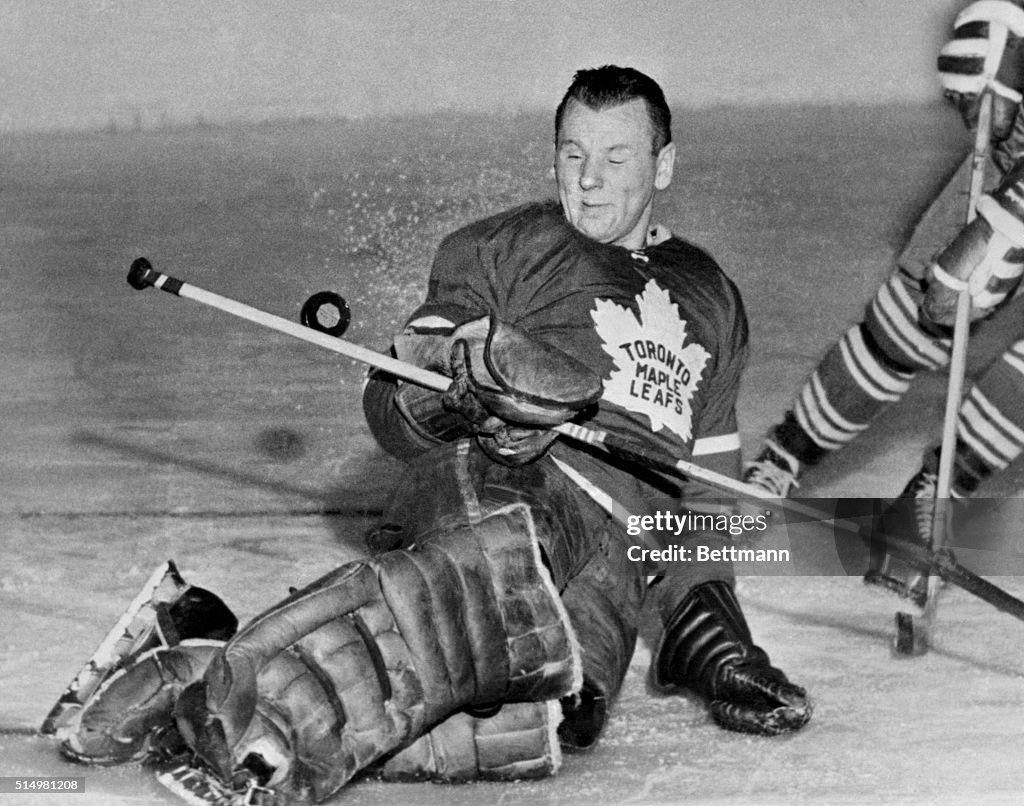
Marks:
<point>986,258</point>
<point>707,647</point>
<point>986,53</point>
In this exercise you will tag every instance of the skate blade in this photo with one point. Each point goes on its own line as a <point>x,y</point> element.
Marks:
<point>137,627</point>
<point>197,787</point>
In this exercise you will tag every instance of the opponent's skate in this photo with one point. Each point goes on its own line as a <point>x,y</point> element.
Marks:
<point>774,469</point>
<point>909,517</point>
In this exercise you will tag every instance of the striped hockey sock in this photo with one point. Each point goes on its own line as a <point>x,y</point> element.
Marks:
<point>990,426</point>
<point>867,370</point>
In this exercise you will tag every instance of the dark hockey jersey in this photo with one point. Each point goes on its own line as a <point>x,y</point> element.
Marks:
<point>663,327</point>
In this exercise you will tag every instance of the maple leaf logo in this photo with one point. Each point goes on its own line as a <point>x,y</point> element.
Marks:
<point>655,372</point>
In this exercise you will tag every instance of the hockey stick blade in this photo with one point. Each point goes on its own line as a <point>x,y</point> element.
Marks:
<point>944,565</point>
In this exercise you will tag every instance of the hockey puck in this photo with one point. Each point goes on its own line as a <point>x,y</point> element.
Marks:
<point>910,640</point>
<point>326,312</point>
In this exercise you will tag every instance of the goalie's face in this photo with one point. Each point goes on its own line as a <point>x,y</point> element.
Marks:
<point>607,171</point>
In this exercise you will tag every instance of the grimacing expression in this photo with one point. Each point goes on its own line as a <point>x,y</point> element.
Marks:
<point>607,172</point>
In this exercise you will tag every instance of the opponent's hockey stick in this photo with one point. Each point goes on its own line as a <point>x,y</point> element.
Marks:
<point>913,635</point>
<point>942,564</point>
<point>143,275</point>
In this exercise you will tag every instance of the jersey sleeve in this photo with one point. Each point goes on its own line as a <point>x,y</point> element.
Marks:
<point>457,292</point>
<point>385,421</point>
<point>458,289</point>
<point>716,443</point>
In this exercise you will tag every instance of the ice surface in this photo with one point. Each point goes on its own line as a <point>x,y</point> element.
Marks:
<point>138,427</point>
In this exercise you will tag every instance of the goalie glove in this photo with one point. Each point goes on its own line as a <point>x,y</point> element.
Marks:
<point>707,647</point>
<point>986,258</point>
<point>985,54</point>
<point>507,387</point>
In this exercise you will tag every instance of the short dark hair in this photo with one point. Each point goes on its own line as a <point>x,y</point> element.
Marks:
<point>610,85</point>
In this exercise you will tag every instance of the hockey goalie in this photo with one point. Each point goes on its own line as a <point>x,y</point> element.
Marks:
<point>495,624</point>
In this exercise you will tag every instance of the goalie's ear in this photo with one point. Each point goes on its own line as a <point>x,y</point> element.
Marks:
<point>665,166</point>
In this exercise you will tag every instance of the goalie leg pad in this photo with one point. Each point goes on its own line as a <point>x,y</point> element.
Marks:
<point>367,659</point>
<point>517,743</point>
<point>604,602</point>
<point>122,697</point>
<point>166,611</point>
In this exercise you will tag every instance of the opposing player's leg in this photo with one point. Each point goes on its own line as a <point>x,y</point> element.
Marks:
<point>910,515</point>
<point>873,364</point>
<point>986,259</point>
<point>990,430</point>
<point>866,371</point>
<point>990,435</point>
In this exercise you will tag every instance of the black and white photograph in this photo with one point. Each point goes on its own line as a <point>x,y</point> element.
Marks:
<point>511,402</point>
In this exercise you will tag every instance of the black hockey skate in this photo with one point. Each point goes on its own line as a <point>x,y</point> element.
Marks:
<point>707,647</point>
<point>909,517</point>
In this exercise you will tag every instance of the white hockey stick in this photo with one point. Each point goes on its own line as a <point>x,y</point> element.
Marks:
<point>913,636</point>
<point>142,275</point>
